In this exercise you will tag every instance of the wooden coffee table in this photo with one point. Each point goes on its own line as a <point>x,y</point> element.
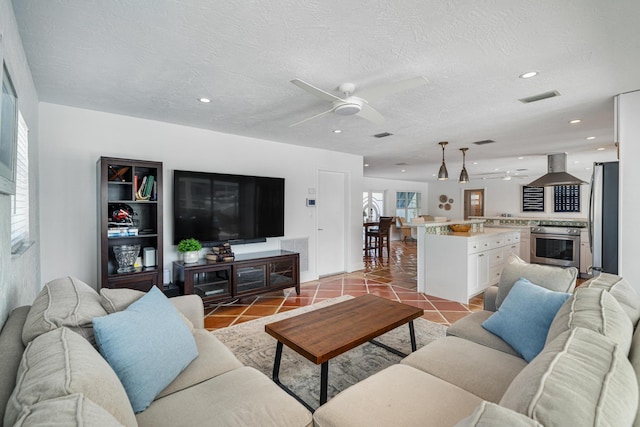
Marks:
<point>323,334</point>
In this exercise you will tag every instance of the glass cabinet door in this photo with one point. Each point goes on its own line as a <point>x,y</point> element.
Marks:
<point>281,273</point>
<point>212,283</point>
<point>251,277</point>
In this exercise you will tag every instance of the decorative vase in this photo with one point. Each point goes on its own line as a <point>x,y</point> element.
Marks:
<point>190,257</point>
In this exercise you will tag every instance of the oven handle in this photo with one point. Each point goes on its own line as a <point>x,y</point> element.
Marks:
<point>590,216</point>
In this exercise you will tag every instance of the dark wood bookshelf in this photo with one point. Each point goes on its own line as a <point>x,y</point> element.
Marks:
<point>117,179</point>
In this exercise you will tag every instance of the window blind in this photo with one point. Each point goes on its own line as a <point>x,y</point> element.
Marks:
<point>20,201</point>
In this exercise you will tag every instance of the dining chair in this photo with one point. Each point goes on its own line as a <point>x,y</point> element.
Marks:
<point>380,237</point>
<point>401,225</point>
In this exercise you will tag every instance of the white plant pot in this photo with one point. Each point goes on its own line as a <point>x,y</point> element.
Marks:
<point>190,257</point>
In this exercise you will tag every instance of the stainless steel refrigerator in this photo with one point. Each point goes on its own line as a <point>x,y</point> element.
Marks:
<point>603,218</point>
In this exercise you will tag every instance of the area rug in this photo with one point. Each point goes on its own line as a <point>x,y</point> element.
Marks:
<point>254,347</point>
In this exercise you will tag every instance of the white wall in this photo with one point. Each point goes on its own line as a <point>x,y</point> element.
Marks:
<point>19,274</point>
<point>628,122</point>
<point>74,139</point>
<point>503,197</point>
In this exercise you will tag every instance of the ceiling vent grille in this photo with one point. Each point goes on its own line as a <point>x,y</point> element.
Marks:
<point>540,97</point>
<point>382,135</point>
<point>484,141</point>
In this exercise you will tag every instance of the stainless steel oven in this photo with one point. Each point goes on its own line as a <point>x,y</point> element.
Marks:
<point>553,245</point>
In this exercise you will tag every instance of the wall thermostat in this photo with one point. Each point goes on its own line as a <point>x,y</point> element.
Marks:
<point>311,202</point>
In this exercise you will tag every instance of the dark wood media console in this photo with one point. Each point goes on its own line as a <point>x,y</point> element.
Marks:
<point>249,274</point>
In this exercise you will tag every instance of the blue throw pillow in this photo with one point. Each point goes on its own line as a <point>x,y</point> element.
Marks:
<point>524,318</point>
<point>147,345</point>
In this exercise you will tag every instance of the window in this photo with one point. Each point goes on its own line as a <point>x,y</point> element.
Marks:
<point>20,201</point>
<point>407,204</point>
<point>372,205</point>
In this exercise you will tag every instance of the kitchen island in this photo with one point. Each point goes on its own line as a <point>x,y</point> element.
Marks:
<point>459,265</point>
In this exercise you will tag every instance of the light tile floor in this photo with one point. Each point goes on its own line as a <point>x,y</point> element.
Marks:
<point>391,277</point>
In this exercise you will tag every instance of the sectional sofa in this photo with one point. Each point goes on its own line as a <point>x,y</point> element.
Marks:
<point>584,373</point>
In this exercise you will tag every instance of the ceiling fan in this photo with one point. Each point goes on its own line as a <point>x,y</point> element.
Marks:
<point>357,103</point>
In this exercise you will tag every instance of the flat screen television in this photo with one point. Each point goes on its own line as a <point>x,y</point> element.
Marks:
<point>216,208</point>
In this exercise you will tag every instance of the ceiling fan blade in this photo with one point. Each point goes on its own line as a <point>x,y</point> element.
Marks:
<point>319,93</point>
<point>367,112</point>
<point>381,91</point>
<point>311,118</point>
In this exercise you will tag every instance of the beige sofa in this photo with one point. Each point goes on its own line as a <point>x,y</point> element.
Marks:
<point>586,374</point>
<point>51,373</point>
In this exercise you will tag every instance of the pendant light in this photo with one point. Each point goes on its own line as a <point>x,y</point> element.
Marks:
<point>442,173</point>
<point>464,176</point>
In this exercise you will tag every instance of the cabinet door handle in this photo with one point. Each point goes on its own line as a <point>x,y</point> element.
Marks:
<point>480,255</point>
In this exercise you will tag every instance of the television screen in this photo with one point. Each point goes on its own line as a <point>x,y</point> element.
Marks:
<point>216,208</point>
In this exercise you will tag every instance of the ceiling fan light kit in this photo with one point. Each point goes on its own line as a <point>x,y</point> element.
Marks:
<point>443,174</point>
<point>464,176</point>
<point>349,105</point>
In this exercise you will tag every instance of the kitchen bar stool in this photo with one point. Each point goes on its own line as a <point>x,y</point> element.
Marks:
<point>379,238</point>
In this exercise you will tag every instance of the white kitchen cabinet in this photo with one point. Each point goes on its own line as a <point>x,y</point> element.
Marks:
<point>459,266</point>
<point>585,254</point>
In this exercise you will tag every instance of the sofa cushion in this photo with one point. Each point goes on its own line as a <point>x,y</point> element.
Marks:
<point>398,396</point>
<point>470,328</point>
<point>66,301</point>
<point>581,378</point>
<point>71,410</point>
<point>147,345</point>
<point>524,317</point>
<point>492,415</point>
<point>241,397</point>
<point>118,299</point>
<point>553,278</point>
<point>634,358</point>
<point>621,290</point>
<point>60,363</point>
<point>214,358</point>
<point>448,359</point>
<point>597,310</point>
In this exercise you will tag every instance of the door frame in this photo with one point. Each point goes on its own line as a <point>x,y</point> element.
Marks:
<point>463,196</point>
<point>345,221</point>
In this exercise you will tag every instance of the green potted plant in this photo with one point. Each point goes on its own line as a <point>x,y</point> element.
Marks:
<point>190,250</point>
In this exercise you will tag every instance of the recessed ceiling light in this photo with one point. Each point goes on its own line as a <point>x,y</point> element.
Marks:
<point>600,149</point>
<point>204,100</point>
<point>575,162</point>
<point>528,75</point>
<point>337,131</point>
<point>591,137</point>
<point>403,170</point>
<point>520,158</point>
<point>366,165</point>
<point>587,169</point>
<point>496,169</point>
<point>574,121</point>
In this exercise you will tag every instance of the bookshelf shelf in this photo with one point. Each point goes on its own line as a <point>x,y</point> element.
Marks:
<point>139,221</point>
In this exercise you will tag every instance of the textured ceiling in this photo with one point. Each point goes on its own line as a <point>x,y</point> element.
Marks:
<point>154,58</point>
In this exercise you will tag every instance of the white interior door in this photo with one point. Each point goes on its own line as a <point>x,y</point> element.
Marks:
<point>331,211</point>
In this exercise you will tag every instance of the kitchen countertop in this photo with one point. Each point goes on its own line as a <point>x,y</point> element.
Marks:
<point>478,235</point>
<point>518,221</point>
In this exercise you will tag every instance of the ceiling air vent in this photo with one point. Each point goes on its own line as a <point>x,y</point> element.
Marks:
<point>540,97</point>
<point>382,135</point>
<point>484,141</point>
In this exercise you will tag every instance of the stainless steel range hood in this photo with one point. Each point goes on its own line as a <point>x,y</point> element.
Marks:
<point>557,175</point>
